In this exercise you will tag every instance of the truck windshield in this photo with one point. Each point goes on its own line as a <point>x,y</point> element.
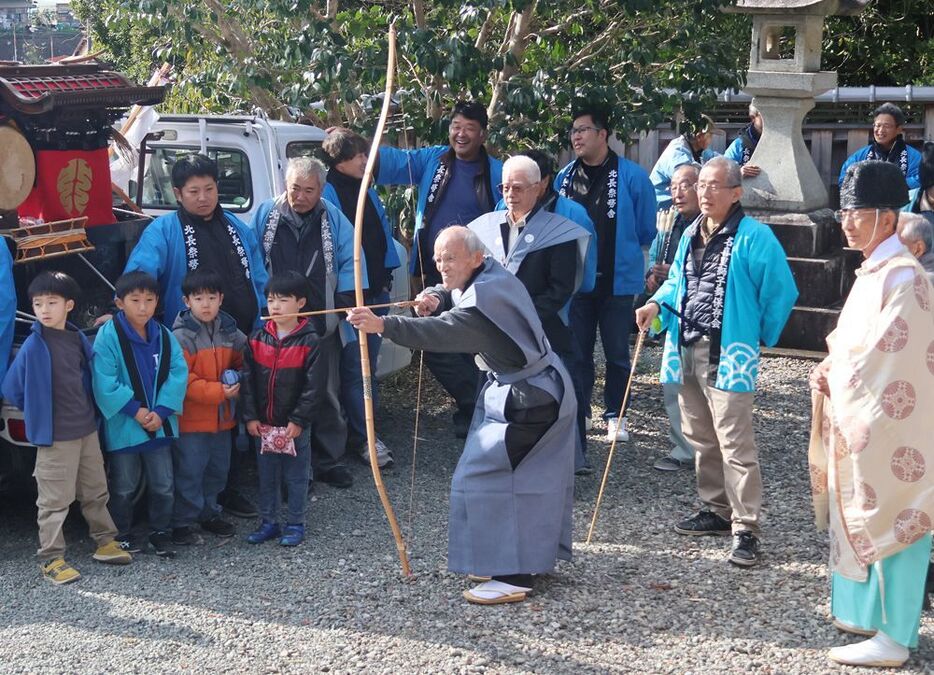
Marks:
<point>234,185</point>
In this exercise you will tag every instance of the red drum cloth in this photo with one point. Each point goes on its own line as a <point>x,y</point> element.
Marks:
<point>71,184</point>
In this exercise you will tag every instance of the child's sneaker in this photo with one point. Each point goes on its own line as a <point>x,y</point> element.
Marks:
<point>218,526</point>
<point>292,535</point>
<point>127,544</point>
<point>112,554</point>
<point>264,532</point>
<point>161,544</point>
<point>59,572</point>
<point>184,536</point>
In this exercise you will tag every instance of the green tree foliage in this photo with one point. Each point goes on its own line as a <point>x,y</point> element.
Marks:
<point>890,43</point>
<point>529,59</point>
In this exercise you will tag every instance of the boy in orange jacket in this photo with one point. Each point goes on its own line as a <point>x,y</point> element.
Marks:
<point>213,349</point>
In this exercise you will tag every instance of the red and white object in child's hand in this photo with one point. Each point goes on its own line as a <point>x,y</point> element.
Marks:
<point>276,440</point>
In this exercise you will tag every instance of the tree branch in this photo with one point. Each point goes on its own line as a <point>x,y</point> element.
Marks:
<point>518,41</point>
<point>485,30</point>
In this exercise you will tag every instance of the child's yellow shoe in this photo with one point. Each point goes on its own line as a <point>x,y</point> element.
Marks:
<point>112,554</point>
<point>59,572</point>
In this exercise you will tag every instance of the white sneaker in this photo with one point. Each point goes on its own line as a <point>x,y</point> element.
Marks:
<point>588,424</point>
<point>880,651</point>
<point>383,455</point>
<point>616,429</point>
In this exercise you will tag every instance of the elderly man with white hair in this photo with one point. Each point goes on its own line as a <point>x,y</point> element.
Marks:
<point>512,491</point>
<point>546,251</point>
<point>300,231</point>
<point>916,232</point>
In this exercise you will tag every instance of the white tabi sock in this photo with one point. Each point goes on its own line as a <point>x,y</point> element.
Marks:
<point>880,650</point>
<point>490,590</point>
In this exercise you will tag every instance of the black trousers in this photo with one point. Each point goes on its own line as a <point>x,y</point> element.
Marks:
<point>329,429</point>
<point>458,374</point>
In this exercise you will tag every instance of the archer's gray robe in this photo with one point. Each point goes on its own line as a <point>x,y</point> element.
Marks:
<point>504,519</point>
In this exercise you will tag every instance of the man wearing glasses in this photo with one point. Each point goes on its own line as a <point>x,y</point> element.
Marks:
<point>547,252</point>
<point>888,145</point>
<point>620,201</point>
<point>662,253</point>
<point>729,288</point>
<point>870,455</point>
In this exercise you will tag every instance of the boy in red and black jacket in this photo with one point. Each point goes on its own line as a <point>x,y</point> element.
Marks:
<point>282,383</point>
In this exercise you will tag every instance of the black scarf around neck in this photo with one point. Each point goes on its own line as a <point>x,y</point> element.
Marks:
<point>897,154</point>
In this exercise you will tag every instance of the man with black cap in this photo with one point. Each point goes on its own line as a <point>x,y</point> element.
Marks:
<point>871,430</point>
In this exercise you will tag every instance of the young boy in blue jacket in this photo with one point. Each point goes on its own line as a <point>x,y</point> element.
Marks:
<point>50,381</point>
<point>139,377</point>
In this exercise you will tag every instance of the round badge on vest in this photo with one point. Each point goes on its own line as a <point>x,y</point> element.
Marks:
<point>529,238</point>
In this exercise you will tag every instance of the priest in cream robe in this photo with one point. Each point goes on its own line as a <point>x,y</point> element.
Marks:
<point>871,455</point>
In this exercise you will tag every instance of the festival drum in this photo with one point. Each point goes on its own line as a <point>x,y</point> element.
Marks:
<point>19,168</point>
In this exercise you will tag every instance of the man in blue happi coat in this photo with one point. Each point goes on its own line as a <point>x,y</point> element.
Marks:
<point>620,201</point>
<point>729,288</point>
<point>456,183</point>
<point>888,145</point>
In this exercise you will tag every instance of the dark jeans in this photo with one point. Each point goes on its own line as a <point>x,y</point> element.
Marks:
<point>352,376</point>
<point>329,430</point>
<point>614,315</point>
<point>201,462</point>
<point>124,471</point>
<point>294,472</point>
<point>571,363</point>
<point>459,375</point>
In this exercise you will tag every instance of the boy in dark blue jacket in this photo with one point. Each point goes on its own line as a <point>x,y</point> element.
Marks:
<point>50,381</point>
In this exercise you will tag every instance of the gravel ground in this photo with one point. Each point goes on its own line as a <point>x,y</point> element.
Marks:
<point>639,599</point>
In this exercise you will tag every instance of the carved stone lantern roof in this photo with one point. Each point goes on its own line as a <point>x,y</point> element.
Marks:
<point>819,7</point>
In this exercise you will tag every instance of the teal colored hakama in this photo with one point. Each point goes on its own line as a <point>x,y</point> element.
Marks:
<point>861,603</point>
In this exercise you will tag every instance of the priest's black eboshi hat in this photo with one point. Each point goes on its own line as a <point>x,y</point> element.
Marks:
<point>926,170</point>
<point>873,185</point>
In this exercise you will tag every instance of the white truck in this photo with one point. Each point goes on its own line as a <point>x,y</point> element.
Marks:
<point>251,154</point>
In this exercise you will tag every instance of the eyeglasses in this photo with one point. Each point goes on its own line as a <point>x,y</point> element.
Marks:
<point>675,188</point>
<point>883,126</point>
<point>847,215</point>
<point>713,188</point>
<point>518,189</point>
<point>582,130</point>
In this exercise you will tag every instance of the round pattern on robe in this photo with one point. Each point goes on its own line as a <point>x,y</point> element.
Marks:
<point>895,337</point>
<point>863,548</point>
<point>866,495</point>
<point>855,434</point>
<point>908,464</point>
<point>818,479</point>
<point>911,525</point>
<point>930,358</point>
<point>898,399</point>
<point>922,294</point>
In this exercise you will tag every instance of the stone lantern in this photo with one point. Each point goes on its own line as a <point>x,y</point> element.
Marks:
<point>789,195</point>
<point>784,77</point>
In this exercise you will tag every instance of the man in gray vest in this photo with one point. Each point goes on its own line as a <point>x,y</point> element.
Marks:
<point>546,251</point>
<point>300,231</point>
<point>512,491</point>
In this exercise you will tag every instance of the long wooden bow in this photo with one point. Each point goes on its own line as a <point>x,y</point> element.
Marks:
<point>358,291</point>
